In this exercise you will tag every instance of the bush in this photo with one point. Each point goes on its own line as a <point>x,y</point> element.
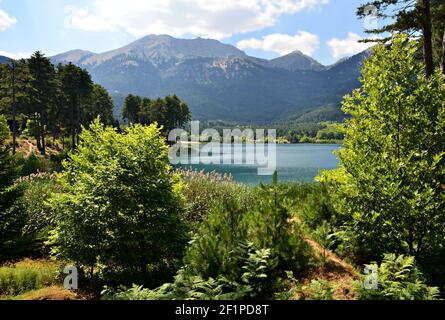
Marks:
<point>27,276</point>
<point>189,287</point>
<point>33,218</point>
<point>237,252</point>
<point>398,279</point>
<point>205,191</point>
<point>217,247</point>
<point>320,290</point>
<point>119,209</point>
<point>33,164</point>
<point>11,217</point>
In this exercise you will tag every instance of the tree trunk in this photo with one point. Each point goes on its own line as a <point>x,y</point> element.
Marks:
<point>42,133</point>
<point>38,133</point>
<point>427,38</point>
<point>14,107</point>
<point>73,126</point>
<point>442,63</point>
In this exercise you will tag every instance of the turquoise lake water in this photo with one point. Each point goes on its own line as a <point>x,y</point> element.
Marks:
<point>296,162</point>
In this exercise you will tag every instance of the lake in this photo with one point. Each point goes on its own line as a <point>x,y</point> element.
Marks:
<point>295,162</point>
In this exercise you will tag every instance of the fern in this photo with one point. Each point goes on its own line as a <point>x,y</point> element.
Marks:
<point>399,279</point>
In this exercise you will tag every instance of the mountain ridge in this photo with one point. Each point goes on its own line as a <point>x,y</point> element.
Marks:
<point>219,81</point>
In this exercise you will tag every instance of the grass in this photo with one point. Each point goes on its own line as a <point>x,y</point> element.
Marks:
<point>28,275</point>
<point>48,293</point>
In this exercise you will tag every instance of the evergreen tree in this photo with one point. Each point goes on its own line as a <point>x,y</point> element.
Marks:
<point>43,81</point>
<point>76,87</point>
<point>100,104</point>
<point>15,92</point>
<point>131,109</point>
<point>411,17</point>
<point>144,116</point>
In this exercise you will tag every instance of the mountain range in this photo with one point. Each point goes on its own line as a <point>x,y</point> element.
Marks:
<point>221,82</point>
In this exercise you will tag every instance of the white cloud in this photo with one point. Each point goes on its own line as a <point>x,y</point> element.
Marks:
<point>207,18</point>
<point>341,48</point>
<point>283,44</point>
<point>6,21</point>
<point>15,56</point>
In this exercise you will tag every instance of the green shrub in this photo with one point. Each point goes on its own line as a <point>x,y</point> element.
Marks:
<point>217,247</point>
<point>4,129</point>
<point>38,188</point>
<point>205,191</point>
<point>11,217</point>
<point>33,218</point>
<point>33,164</point>
<point>237,252</point>
<point>18,279</point>
<point>192,287</point>
<point>321,290</point>
<point>120,206</point>
<point>398,279</point>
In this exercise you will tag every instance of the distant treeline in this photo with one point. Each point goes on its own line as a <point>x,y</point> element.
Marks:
<point>292,132</point>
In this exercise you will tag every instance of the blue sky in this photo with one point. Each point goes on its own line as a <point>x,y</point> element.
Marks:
<point>324,29</point>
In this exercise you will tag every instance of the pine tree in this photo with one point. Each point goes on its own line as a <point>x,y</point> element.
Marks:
<point>100,104</point>
<point>131,109</point>
<point>43,80</point>
<point>407,16</point>
<point>15,92</point>
<point>76,87</point>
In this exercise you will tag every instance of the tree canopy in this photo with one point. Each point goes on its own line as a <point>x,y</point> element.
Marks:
<point>389,187</point>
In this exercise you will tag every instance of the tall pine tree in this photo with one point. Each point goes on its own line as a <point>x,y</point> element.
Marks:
<point>43,81</point>
<point>412,17</point>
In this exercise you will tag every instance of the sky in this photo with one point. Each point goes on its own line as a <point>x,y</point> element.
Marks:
<point>326,30</point>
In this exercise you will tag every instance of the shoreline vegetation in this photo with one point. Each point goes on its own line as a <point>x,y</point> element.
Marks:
<point>278,141</point>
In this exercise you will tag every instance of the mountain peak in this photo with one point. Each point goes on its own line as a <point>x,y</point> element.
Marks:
<point>297,60</point>
<point>74,56</point>
<point>165,51</point>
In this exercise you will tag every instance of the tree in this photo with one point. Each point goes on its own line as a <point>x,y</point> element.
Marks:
<point>442,58</point>
<point>75,87</point>
<point>120,203</point>
<point>178,112</point>
<point>15,91</point>
<point>43,81</point>
<point>131,109</point>
<point>100,104</point>
<point>170,112</point>
<point>389,187</point>
<point>11,219</point>
<point>406,16</point>
<point>144,116</point>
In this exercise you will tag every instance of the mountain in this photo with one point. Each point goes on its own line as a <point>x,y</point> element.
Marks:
<point>4,59</point>
<point>297,61</point>
<point>74,56</point>
<point>219,81</point>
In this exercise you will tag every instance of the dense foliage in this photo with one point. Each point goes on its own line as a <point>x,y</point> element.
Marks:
<point>398,279</point>
<point>11,219</point>
<point>170,113</point>
<point>389,188</point>
<point>119,206</point>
